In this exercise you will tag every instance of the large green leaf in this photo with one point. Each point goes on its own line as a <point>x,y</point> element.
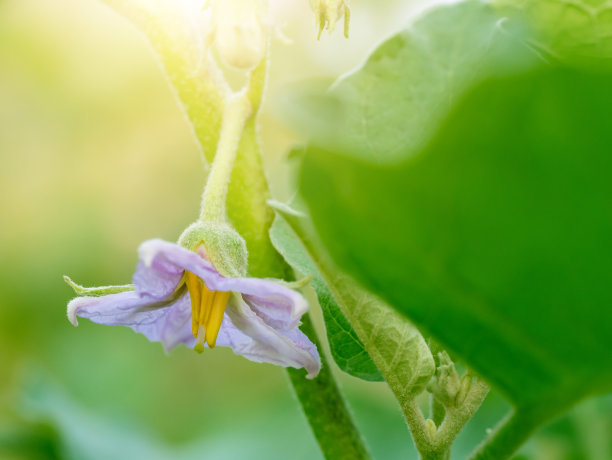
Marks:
<point>495,238</point>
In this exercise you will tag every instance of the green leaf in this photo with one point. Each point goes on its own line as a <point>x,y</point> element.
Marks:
<point>395,345</point>
<point>495,238</point>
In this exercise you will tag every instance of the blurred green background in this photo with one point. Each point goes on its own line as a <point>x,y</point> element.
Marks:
<point>95,157</point>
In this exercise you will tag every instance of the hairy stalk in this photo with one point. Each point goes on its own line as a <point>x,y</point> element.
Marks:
<point>417,425</point>
<point>237,111</point>
<point>456,417</point>
<point>326,409</point>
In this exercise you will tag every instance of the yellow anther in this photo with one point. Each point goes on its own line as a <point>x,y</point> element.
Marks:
<point>206,302</point>
<point>216,317</point>
<point>207,309</point>
<point>193,286</point>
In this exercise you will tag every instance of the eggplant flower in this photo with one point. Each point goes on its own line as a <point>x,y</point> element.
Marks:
<point>179,297</point>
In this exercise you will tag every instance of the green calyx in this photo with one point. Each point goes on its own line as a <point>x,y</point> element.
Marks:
<point>224,247</point>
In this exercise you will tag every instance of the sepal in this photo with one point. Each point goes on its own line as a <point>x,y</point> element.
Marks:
<point>220,244</point>
<point>97,291</point>
<point>446,384</point>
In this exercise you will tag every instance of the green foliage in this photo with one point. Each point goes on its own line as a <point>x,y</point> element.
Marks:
<point>489,226</point>
<point>396,346</point>
<point>494,238</point>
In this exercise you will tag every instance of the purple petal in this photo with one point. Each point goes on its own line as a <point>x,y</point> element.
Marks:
<point>159,324</point>
<point>278,305</point>
<point>248,335</point>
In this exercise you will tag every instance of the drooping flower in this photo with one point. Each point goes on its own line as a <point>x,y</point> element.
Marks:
<point>180,298</point>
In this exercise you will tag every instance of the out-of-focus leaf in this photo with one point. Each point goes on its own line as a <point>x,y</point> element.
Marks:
<point>396,346</point>
<point>495,238</point>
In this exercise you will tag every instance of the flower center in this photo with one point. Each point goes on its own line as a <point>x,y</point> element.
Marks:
<point>207,309</point>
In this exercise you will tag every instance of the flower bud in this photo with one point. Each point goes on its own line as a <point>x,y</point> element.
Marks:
<point>446,384</point>
<point>240,32</point>
<point>218,243</point>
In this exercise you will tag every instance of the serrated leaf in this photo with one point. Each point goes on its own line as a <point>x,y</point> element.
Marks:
<point>395,345</point>
<point>495,238</point>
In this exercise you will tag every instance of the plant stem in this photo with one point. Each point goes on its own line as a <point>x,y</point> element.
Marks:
<point>507,437</point>
<point>418,427</point>
<point>237,111</point>
<point>456,417</point>
<point>326,409</point>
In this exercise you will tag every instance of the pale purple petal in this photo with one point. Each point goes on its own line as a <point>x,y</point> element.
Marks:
<point>248,335</point>
<point>159,324</point>
<point>173,327</point>
<point>125,308</point>
<point>278,305</point>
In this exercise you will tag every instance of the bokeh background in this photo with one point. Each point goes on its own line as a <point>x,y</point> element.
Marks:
<point>95,157</point>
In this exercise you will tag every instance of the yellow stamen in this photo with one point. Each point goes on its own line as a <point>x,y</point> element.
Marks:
<point>207,309</point>
<point>193,286</point>
<point>216,317</point>
<point>207,298</point>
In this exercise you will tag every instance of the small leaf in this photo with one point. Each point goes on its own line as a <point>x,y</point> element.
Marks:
<point>396,346</point>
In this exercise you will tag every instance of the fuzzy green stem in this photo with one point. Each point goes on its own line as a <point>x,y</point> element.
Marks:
<point>418,426</point>
<point>326,409</point>
<point>456,417</point>
<point>507,437</point>
<point>237,111</point>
